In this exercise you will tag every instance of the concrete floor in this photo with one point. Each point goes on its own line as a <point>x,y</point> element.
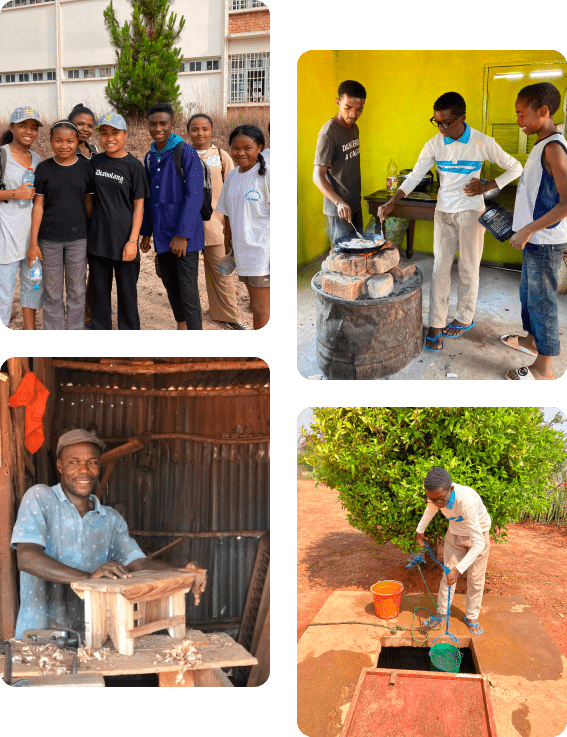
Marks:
<point>478,354</point>
<point>526,671</point>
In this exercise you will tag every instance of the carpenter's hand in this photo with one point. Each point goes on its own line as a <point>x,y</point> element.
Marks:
<point>385,210</point>
<point>519,239</point>
<point>474,187</point>
<point>32,254</point>
<point>130,251</point>
<point>111,569</point>
<point>344,211</point>
<point>178,246</point>
<point>420,538</point>
<point>145,244</point>
<point>452,577</point>
<point>192,566</point>
<point>24,192</point>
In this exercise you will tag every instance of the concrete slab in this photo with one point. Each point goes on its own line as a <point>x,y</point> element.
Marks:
<point>526,671</point>
<point>477,355</point>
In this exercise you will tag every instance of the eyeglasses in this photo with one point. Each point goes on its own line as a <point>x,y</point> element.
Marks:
<point>444,124</point>
<point>438,499</point>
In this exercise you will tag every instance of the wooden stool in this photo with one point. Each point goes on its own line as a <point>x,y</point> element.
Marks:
<point>125,608</point>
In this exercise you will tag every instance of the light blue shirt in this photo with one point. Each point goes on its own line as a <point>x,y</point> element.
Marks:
<point>47,518</point>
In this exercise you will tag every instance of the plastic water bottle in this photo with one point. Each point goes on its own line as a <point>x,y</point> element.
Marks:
<point>36,274</point>
<point>392,178</point>
<point>28,178</point>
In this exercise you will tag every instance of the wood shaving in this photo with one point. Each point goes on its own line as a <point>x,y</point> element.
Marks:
<point>186,654</point>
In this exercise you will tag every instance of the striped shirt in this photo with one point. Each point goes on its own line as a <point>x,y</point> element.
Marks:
<point>467,517</point>
<point>457,163</point>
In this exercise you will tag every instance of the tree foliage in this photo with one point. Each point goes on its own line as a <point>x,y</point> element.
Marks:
<point>147,60</point>
<point>377,458</point>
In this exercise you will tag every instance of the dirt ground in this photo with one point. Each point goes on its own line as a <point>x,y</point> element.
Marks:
<point>153,305</point>
<point>332,555</point>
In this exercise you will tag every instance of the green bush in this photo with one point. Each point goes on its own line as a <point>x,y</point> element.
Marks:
<point>377,459</point>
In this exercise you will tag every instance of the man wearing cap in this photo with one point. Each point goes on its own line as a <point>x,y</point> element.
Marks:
<point>64,534</point>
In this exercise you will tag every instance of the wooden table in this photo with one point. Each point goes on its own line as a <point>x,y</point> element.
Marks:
<point>416,207</point>
<point>221,651</point>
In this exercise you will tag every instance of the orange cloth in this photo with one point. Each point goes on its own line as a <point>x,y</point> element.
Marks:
<point>33,395</point>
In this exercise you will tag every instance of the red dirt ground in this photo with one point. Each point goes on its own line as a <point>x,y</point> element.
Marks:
<point>332,555</point>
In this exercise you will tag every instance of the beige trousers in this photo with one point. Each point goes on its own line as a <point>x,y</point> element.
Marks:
<point>221,289</point>
<point>454,550</point>
<point>452,231</point>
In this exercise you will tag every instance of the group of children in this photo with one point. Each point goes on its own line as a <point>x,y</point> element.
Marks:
<point>91,207</point>
<point>458,151</point>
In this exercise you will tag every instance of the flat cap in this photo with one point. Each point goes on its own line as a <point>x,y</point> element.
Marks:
<point>78,436</point>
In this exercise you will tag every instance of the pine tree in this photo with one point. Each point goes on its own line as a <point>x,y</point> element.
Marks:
<point>147,60</point>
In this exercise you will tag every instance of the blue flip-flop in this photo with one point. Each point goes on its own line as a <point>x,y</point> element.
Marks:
<point>433,350</point>
<point>450,326</point>
<point>433,621</point>
<point>470,625</point>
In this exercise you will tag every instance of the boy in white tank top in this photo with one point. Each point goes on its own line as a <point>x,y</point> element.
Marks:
<point>540,225</point>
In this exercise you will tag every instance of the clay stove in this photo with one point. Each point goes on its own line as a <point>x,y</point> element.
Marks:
<point>369,322</point>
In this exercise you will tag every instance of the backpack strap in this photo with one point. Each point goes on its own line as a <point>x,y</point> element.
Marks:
<point>178,159</point>
<point>221,163</point>
<point>3,161</point>
<point>147,162</point>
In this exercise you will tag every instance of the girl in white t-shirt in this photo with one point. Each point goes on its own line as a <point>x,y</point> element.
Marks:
<point>15,215</point>
<point>245,203</point>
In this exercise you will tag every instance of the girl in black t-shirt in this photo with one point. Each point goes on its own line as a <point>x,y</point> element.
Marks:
<point>85,120</point>
<point>62,204</point>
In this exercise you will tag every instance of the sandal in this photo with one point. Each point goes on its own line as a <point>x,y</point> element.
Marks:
<point>512,342</point>
<point>476,629</point>
<point>462,328</point>
<point>433,621</point>
<point>521,373</point>
<point>433,340</point>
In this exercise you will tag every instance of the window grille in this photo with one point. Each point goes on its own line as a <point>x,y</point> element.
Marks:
<point>246,4</point>
<point>249,77</point>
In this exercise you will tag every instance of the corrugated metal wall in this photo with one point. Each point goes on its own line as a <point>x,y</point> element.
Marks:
<point>182,485</point>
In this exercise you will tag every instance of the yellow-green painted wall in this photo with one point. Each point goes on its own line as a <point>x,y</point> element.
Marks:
<point>316,93</point>
<point>401,87</point>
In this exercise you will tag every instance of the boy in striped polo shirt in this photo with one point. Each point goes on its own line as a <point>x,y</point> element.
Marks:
<point>459,152</point>
<point>467,541</point>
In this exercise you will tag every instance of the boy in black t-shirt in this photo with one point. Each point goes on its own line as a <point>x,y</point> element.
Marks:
<point>114,227</point>
<point>337,164</point>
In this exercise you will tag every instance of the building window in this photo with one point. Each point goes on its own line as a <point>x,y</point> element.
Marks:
<point>246,4</point>
<point>105,71</point>
<point>249,77</point>
<point>10,78</point>
<point>89,73</point>
<point>25,77</point>
<point>50,75</point>
<point>73,73</point>
<point>37,77</point>
<point>201,65</point>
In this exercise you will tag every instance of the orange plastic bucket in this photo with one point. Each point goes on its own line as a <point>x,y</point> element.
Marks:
<point>387,598</point>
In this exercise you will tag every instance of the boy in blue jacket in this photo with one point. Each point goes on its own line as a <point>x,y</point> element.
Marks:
<point>173,216</point>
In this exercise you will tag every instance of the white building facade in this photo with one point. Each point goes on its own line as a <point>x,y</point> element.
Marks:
<point>57,53</point>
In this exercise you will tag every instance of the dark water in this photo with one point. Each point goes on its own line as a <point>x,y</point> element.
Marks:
<point>417,658</point>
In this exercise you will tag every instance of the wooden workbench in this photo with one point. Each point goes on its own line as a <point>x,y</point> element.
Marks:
<point>421,206</point>
<point>221,651</point>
